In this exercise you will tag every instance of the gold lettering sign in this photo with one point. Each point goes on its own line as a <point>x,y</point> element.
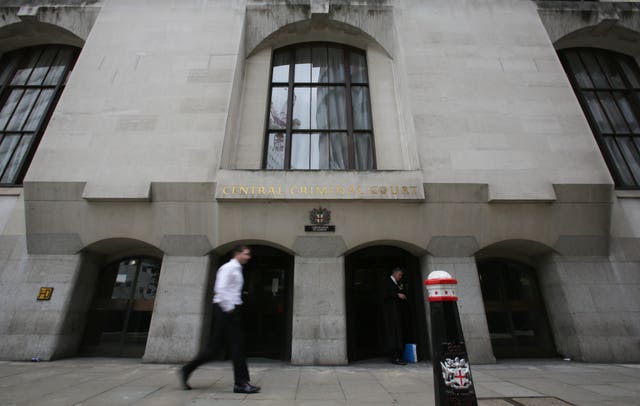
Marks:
<point>45,293</point>
<point>327,191</point>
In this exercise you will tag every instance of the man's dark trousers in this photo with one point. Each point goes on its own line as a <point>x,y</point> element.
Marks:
<point>227,328</point>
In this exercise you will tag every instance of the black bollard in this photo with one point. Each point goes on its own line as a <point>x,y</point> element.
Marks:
<point>453,385</point>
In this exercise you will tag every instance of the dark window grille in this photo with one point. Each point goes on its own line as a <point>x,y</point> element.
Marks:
<point>31,81</point>
<point>319,114</point>
<point>608,86</point>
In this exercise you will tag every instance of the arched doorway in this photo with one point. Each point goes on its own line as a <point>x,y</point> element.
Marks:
<point>516,315</point>
<point>366,270</point>
<point>120,314</point>
<point>267,299</point>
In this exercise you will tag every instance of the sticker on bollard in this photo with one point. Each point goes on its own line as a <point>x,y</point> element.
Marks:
<point>453,383</point>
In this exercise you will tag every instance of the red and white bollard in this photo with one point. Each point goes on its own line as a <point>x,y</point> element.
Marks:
<point>453,384</point>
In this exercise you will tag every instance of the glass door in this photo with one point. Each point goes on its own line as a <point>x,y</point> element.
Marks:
<point>516,315</point>
<point>120,315</point>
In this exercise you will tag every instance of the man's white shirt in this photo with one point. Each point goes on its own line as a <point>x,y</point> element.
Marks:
<point>227,291</point>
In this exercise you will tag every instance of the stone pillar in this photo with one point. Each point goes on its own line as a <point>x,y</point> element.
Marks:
<point>470,304</point>
<point>593,307</point>
<point>319,328</point>
<point>181,309</point>
<point>46,329</point>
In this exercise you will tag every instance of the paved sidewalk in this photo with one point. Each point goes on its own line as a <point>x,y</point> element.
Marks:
<point>99,381</point>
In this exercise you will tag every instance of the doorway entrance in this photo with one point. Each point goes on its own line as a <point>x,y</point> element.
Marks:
<point>120,315</point>
<point>516,316</point>
<point>365,273</point>
<point>267,298</point>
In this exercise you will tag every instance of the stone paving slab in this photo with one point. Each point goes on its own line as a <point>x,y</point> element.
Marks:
<point>115,382</point>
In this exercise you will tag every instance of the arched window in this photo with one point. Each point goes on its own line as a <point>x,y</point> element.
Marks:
<point>31,81</point>
<point>608,87</point>
<point>319,114</point>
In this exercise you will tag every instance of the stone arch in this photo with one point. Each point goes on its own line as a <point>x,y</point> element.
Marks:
<point>527,251</point>
<point>311,30</point>
<point>110,249</point>
<point>38,25</point>
<point>615,38</point>
<point>22,35</point>
<point>410,247</point>
<point>224,248</point>
<point>266,22</point>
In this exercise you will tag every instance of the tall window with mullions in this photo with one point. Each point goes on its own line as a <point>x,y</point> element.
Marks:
<point>608,86</point>
<point>319,114</point>
<point>31,81</point>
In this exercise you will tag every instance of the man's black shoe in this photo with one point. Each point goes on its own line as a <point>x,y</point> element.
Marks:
<point>399,361</point>
<point>246,388</point>
<point>183,377</point>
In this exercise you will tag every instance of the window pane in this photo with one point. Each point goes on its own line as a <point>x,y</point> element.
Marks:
<point>319,70</point>
<point>364,151</point>
<point>7,146</point>
<point>280,71</point>
<point>630,72</point>
<point>36,116</point>
<point>302,72</point>
<point>300,151</point>
<point>578,69</point>
<point>123,286</point>
<point>18,156</point>
<point>594,70</point>
<point>610,70</point>
<point>632,157</point>
<point>23,110</point>
<point>336,65</point>
<point>338,153</point>
<point>278,108</point>
<point>59,65</point>
<point>319,151</point>
<point>301,108</point>
<point>615,117</point>
<point>328,107</point>
<point>361,113</point>
<point>618,162</point>
<point>24,70</point>
<point>8,65</point>
<point>9,107</point>
<point>275,151</point>
<point>627,112</point>
<point>358,67</point>
<point>42,66</point>
<point>147,284</point>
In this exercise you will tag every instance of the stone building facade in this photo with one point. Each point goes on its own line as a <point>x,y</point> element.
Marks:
<point>454,138</point>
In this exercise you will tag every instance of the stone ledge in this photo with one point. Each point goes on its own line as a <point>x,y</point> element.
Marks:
<point>101,192</point>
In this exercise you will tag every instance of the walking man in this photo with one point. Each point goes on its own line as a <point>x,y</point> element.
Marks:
<point>227,302</point>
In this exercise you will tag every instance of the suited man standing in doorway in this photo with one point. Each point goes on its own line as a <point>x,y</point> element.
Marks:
<point>393,304</point>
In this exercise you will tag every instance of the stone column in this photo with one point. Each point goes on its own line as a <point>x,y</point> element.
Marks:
<point>593,307</point>
<point>319,330</point>
<point>181,308</point>
<point>47,329</point>
<point>470,304</point>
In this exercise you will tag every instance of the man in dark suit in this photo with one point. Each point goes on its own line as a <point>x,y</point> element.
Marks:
<point>394,300</point>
